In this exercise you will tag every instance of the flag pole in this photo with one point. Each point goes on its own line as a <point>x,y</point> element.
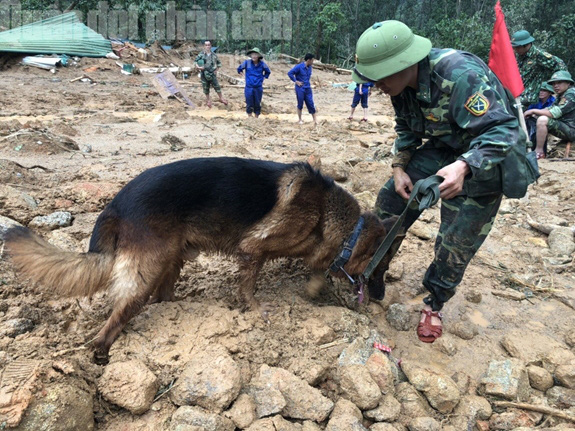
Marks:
<point>521,117</point>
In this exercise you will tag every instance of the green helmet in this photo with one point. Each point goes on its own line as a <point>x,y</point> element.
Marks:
<point>386,48</point>
<point>521,37</point>
<point>561,75</point>
<point>546,87</point>
<point>256,50</point>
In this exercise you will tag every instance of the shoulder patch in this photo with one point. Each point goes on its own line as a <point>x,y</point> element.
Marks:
<point>477,104</point>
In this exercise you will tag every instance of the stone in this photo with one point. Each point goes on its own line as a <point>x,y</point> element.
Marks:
<point>413,404</point>
<point>399,317</point>
<point>382,371</point>
<point>383,427</point>
<point>192,418</point>
<point>474,296</point>
<point>243,411</point>
<point>440,390</point>
<point>561,241</point>
<point>470,409</point>
<point>565,374</point>
<point>6,223</point>
<point>560,397</point>
<point>14,327</point>
<point>358,386</point>
<point>317,332</point>
<point>506,379</point>
<point>358,351</point>
<point>60,407</point>
<point>464,329</point>
<point>388,410</point>
<point>423,424</point>
<point>511,420</point>
<point>130,385</point>
<point>539,378</point>
<point>447,345</point>
<point>345,407</point>
<point>290,396</point>
<point>529,349</point>
<point>275,423</point>
<point>211,379</point>
<point>52,221</point>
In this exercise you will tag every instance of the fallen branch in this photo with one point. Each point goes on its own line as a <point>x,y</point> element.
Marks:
<point>540,409</point>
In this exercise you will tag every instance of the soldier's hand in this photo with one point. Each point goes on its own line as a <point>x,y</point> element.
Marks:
<point>453,177</point>
<point>403,185</point>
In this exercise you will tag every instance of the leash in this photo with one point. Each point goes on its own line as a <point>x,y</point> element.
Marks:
<point>426,193</point>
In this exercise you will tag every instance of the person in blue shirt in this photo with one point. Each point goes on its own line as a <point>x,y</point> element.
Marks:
<point>361,93</point>
<point>546,99</point>
<point>301,75</point>
<point>256,70</point>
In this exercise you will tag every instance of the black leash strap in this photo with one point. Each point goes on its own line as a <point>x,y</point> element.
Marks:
<point>426,193</point>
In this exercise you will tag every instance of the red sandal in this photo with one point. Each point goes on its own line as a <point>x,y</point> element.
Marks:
<point>427,332</point>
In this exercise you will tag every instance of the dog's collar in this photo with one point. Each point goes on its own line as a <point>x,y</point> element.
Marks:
<point>343,257</point>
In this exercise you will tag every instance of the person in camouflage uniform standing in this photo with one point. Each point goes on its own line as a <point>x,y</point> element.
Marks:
<point>208,63</point>
<point>535,65</point>
<point>474,141</point>
<point>559,119</point>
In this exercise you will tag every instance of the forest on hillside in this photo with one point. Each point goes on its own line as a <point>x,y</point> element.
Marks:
<point>330,29</point>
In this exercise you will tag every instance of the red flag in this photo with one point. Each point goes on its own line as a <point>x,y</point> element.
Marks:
<point>501,56</point>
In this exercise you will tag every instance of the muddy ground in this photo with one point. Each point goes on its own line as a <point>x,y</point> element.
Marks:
<point>70,146</point>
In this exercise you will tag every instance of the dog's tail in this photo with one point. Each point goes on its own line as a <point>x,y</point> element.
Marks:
<point>67,273</point>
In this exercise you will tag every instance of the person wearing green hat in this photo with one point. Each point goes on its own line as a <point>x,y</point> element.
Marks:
<point>454,119</point>
<point>207,62</point>
<point>256,70</point>
<point>535,65</point>
<point>559,119</point>
<point>546,99</point>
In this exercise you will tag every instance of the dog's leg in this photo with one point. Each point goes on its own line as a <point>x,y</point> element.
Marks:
<point>315,284</point>
<point>165,289</point>
<point>250,267</point>
<point>134,279</point>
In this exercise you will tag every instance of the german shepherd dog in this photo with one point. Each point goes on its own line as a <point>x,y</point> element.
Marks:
<point>253,210</point>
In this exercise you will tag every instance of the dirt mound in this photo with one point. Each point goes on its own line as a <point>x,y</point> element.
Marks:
<point>38,141</point>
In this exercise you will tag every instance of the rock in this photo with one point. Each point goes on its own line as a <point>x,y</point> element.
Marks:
<point>441,392</point>
<point>276,390</point>
<point>60,407</point>
<point>422,231</point>
<point>570,338</point>
<point>366,199</point>
<point>63,240</point>
<point>539,378</point>
<point>345,423</point>
<point>561,241</point>
<point>395,271</point>
<point>424,424</point>
<point>556,357</point>
<point>310,426</point>
<point>5,224</point>
<point>384,427</point>
<point>565,374</point>
<point>529,349</point>
<point>399,317</point>
<point>470,409</point>
<point>243,411</point>
<point>211,379</point>
<point>562,398</point>
<point>358,386</point>
<point>358,351</point>
<point>382,371</point>
<point>275,423</point>
<point>446,344</point>
<point>413,404</point>
<point>188,418</point>
<point>388,410</point>
<point>464,329</point>
<point>539,242</point>
<point>473,296</point>
<point>506,379</point>
<point>317,332</point>
<point>13,198</point>
<point>130,385</point>
<point>52,221</point>
<point>14,327</point>
<point>345,407</point>
<point>511,420</point>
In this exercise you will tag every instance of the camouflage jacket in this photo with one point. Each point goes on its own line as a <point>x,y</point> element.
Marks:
<point>211,61</point>
<point>564,107</point>
<point>535,67</point>
<point>460,105</point>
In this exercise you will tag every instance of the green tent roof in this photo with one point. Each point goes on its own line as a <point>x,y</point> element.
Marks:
<point>62,34</point>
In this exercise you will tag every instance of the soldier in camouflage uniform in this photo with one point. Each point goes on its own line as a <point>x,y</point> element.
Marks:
<point>559,119</point>
<point>535,65</point>
<point>453,119</point>
<point>208,63</point>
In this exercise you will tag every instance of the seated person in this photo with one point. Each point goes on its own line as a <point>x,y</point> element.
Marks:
<point>546,99</point>
<point>559,119</point>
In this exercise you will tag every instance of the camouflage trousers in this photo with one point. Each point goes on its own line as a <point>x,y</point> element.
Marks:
<point>207,83</point>
<point>561,129</point>
<point>465,223</point>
